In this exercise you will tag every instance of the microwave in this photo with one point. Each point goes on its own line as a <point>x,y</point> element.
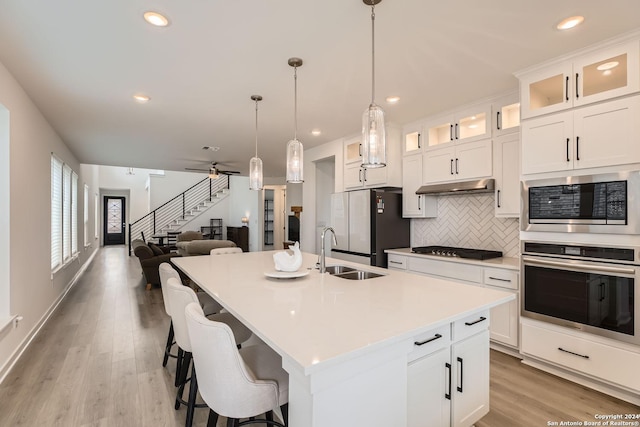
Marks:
<point>606,203</point>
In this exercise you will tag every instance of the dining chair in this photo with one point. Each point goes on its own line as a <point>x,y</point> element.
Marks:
<point>180,296</point>
<point>222,251</point>
<point>236,384</point>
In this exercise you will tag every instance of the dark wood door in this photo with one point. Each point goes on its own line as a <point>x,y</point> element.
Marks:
<point>114,224</point>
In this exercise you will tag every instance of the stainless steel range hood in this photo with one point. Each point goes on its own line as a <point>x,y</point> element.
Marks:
<point>477,186</point>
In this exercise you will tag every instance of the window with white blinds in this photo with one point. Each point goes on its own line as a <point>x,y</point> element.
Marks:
<point>86,215</point>
<point>64,212</point>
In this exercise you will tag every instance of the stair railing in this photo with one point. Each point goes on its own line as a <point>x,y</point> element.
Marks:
<point>177,208</point>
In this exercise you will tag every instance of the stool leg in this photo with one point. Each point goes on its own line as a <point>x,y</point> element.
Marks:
<point>213,418</point>
<point>179,366</point>
<point>191,403</point>
<point>285,413</point>
<point>167,348</point>
<point>184,370</point>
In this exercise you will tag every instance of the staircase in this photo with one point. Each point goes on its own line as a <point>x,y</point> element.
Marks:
<point>186,206</point>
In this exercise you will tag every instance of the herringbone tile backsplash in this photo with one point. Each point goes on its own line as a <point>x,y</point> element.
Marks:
<point>468,221</point>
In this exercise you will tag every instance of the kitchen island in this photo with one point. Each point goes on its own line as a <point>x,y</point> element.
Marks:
<point>348,345</point>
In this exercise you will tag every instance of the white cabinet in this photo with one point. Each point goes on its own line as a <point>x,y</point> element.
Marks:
<point>458,162</point>
<point>450,386</point>
<point>356,177</point>
<point>413,138</point>
<point>505,318</point>
<point>415,205</point>
<point>506,159</point>
<point>604,134</point>
<point>470,124</point>
<point>506,114</point>
<point>599,75</point>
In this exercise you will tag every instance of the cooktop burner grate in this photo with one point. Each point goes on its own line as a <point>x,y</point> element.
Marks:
<point>448,251</point>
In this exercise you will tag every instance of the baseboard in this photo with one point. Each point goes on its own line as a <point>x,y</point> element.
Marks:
<point>505,349</point>
<point>616,392</point>
<point>19,351</point>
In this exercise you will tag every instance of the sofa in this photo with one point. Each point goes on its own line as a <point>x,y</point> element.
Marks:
<point>150,257</point>
<point>202,247</point>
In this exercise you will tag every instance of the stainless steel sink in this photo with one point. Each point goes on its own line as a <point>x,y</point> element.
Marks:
<point>339,269</point>
<point>358,275</point>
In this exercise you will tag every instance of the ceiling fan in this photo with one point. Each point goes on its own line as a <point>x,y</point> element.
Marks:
<point>214,171</point>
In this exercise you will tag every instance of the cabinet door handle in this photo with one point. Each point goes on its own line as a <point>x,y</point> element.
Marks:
<point>447,393</point>
<point>498,198</point>
<point>577,94</point>
<point>566,88</point>
<point>577,148</point>
<point>575,354</point>
<point>364,174</point>
<point>419,142</point>
<point>456,166</point>
<point>498,124</point>
<point>395,262</point>
<point>481,319</point>
<point>419,199</point>
<point>451,167</point>
<point>451,132</point>
<point>568,160</point>
<point>460,361</point>
<point>360,175</point>
<point>360,150</point>
<point>457,132</point>
<point>500,279</point>
<point>435,337</point>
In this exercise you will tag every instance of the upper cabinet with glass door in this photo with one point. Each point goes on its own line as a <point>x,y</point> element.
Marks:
<point>413,138</point>
<point>353,150</point>
<point>506,114</point>
<point>596,76</point>
<point>462,126</point>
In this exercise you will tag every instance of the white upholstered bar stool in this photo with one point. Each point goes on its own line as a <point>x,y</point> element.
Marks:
<point>236,384</point>
<point>209,305</point>
<point>222,251</point>
<point>179,297</point>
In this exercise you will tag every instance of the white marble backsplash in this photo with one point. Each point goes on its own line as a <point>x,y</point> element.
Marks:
<point>468,221</point>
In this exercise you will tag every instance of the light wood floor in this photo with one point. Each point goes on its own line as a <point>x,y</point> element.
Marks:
<point>97,362</point>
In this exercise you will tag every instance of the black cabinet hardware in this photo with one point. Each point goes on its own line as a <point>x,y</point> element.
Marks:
<point>566,88</point>
<point>577,148</point>
<point>360,175</point>
<point>498,198</point>
<point>502,280</point>
<point>568,160</point>
<point>360,150</point>
<point>577,94</point>
<point>461,373</point>
<point>456,166</point>
<point>419,199</point>
<point>395,262</point>
<point>451,167</point>
<point>451,132</point>
<point>571,352</point>
<point>419,140</point>
<point>447,394</point>
<point>481,319</point>
<point>435,337</point>
<point>498,124</point>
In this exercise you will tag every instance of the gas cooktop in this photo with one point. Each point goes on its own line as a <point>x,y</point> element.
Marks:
<point>449,251</point>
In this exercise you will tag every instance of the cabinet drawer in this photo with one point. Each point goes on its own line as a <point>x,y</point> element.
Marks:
<point>429,342</point>
<point>398,262</point>
<point>501,278</point>
<point>598,360</point>
<point>449,270</point>
<point>470,325</point>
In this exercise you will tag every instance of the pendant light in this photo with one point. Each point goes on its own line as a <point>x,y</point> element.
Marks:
<point>255,164</point>
<point>374,153</point>
<point>294,147</point>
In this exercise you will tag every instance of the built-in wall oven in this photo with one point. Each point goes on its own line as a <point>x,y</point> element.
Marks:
<point>605,203</point>
<point>587,287</point>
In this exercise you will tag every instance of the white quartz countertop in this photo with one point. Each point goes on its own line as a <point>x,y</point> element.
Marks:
<point>321,320</point>
<point>503,262</point>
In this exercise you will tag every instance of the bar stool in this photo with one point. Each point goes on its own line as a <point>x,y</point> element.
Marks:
<point>236,384</point>
<point>209,305</point>
<point>180,296</point>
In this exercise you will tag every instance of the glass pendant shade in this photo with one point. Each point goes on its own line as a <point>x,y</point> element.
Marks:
<point>213,173</point>
<point>294,162</point>
<point>255,174</point>
<point>374,147</point>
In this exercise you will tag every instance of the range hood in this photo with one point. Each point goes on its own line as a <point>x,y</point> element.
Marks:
<point>476,186</point>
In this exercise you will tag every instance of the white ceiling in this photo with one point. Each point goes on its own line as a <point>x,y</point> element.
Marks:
<point>81,62</point>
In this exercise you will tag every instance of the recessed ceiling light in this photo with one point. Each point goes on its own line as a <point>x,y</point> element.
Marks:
<point>571,22</point>
<point>393,99</point>
<point>155,18</point>
<point>140,98</point>
<point>316,132</point>
<point>607,65</point>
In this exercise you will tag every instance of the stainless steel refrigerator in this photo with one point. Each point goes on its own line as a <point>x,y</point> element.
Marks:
<point>366,223</point>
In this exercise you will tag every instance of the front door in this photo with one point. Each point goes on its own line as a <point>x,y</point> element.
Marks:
<point>114,225</point>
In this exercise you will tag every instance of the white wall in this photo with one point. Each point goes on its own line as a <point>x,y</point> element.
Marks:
<point>115,181</point>
<point>308,220</point>
<point>34,291</point>
<point>325,173</point>
<point>4,214</point>
<point>163,188</point>
<point>245,202</point>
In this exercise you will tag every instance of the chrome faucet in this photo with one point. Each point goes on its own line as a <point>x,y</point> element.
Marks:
<point>323,268</point>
